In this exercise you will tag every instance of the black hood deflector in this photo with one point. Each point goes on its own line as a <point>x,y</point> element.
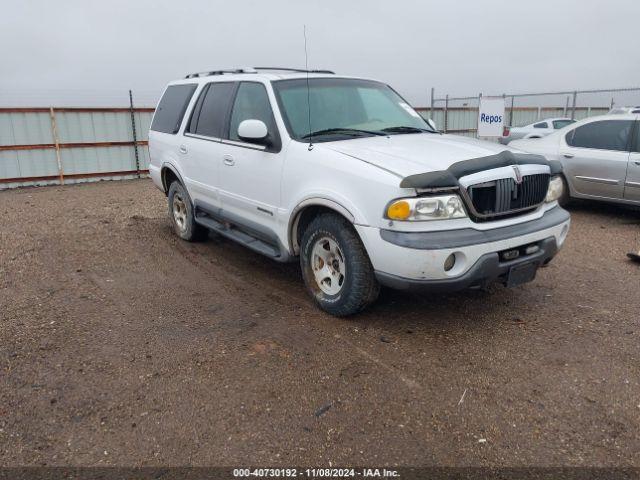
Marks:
<point>449,178</point>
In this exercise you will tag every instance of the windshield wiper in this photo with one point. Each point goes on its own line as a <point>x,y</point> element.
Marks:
<point>351,131</point>
<point>403,129</point>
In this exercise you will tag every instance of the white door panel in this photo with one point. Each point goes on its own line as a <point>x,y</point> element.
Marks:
<point>199,159</point>
<point>250,184</point>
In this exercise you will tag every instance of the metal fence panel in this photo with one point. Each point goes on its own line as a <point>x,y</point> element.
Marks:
<point>41,146</point>
<point>25,128</point>
<point>94,127</point>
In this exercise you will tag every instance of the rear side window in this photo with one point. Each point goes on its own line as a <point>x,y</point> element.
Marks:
<point>602,135</point>
<point>212,108</point>
<point>541,125</point>
<point>171,108</point>
<point>557,124</point>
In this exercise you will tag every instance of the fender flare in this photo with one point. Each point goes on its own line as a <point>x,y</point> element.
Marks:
<point>309,202</point>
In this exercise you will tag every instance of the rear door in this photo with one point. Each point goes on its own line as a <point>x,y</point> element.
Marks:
<point>250,174</point>
<point>201,149</point>
<point>596,156</point>
<point>632,183</point>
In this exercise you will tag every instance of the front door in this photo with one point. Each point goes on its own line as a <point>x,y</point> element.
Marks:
<point>596,156</point>
<point>250,174</point>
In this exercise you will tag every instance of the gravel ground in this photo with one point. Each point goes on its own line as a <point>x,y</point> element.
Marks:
<point>122,345</point>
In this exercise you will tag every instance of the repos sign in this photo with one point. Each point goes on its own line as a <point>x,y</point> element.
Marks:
<point>491,117</point>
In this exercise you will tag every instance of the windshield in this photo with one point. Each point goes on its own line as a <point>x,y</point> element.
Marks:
<point>344,108</point>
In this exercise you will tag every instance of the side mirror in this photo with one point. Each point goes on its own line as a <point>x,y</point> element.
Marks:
<point>253,131</point>
<point>432,124</point>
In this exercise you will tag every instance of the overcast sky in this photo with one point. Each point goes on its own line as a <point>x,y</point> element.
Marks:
<point>79,51</point>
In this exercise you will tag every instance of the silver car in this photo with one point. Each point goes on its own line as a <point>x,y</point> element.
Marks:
<point>600,157</point>
<point>538,129</point>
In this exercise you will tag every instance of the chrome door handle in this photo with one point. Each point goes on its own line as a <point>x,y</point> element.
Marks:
<point>568,155</point>
<point>183,149</point>
<point>228,160</point>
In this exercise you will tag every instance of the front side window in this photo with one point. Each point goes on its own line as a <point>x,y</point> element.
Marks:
<point>171,108</point>
<point>602,135</point>
<point>252,103</point>
<point>541,125</point>
<point>342,108</point>
<point>557,124</point>
<point>210,112</point>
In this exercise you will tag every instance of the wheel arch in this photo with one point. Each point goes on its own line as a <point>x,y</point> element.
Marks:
<point>306,211</point>
<point>167,172</point>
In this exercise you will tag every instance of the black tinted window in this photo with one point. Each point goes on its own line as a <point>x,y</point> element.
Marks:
<point>603,135</point>
<point>541,125</point>
<point>171,108</point>
<point>636,147</point>
<point>252,103</point>
<point>209,119</point>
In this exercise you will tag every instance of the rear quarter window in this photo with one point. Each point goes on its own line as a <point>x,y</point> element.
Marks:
<point>172,108</point>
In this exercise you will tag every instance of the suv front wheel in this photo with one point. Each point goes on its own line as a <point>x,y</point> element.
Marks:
<point>335,266</point>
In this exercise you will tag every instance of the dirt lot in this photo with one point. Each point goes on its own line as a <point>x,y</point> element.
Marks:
<point>121,345</point>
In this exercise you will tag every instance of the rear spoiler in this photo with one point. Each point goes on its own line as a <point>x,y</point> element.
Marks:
<point>449,178</point>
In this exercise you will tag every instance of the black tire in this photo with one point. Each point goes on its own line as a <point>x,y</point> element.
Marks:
<point>184,224</point>
<point>359,287</point>
<point>565,198</point>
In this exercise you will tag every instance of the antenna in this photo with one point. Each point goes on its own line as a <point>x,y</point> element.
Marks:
<point>306,67</point>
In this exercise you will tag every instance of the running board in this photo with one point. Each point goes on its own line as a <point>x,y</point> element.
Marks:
<point>240,236</point>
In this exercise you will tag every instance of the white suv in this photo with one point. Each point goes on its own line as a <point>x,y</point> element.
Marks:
<point>344,174</point>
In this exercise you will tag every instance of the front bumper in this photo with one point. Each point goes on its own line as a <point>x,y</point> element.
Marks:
<point>487,270</point>
<point>416,259</point>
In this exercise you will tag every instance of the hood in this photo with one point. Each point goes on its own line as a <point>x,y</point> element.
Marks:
<point>410,154</point>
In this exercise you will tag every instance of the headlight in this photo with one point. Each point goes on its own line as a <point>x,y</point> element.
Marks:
<point>419,209</point>
<point>555,190</point>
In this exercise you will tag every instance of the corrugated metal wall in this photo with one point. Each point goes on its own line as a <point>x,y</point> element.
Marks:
<point>94,144</point>
<point>97,143</point>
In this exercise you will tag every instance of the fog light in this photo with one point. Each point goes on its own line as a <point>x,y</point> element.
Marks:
<point>510,254</point>
<point>449,262</point>
<point>531,249</point>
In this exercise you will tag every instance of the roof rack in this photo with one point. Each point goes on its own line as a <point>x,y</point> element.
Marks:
<point>297,70</point>
<point>254,70</point>
<point>220,72</point>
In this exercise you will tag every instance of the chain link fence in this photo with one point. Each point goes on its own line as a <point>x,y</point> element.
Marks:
<point>459,115</point>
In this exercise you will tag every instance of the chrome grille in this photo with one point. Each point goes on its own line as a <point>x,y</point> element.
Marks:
<point>505,196</point>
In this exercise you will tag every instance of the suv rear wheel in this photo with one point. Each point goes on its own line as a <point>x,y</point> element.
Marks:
<point>335,266</point>
<point>182,214</point>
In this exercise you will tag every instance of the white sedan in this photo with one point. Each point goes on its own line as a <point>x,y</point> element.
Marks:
<point>600,157</point>
<point>534,130</point>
